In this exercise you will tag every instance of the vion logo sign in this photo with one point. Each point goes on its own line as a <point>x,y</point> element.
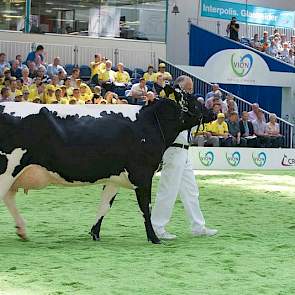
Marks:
<point>241,64</point>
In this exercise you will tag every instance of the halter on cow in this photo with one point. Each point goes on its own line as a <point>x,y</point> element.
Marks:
<point>42,145</point>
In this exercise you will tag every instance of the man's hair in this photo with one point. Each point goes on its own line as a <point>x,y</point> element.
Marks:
<point>233,113</point>
<point>39,47</point>
<point>181,80</point>
<point>4,89</point>
<point>141,79</point>
<point>244,112</point>
<point>2,53</point>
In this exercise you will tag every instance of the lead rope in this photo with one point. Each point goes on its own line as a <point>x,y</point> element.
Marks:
<point>162,133</point>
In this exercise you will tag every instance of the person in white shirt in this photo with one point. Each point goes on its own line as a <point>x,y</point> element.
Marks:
<point>177,176</point>
<point>139,92</point>
<point>55,68</point>
<point>3,63</point>
<point>253,115</point>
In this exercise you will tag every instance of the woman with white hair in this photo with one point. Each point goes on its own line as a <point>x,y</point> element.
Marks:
<point>273,130</point>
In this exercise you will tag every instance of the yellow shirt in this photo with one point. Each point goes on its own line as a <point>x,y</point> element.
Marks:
<point>150,77</point>
<point>203,128</point>
<point>49,99</point>
<point>107,76</point>
<point>86,97</point>
<point>64,100</point>
<point>122,77</point>
<point>218,129</point>
<point>97,69</point>
<point>69,91</point>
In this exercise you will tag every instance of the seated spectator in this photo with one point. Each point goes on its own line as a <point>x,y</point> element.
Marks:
<point>26,94</point>
<point>13,87</point>
<point>68,85</point>
<point>138,92</point>
<point>275,33</point>
<point>150,98</point>
<point>159,86</point>
<point>74,77</point>
<point>230,109</point>
<point>273,130</point>
<point>260,130</point>
<point>290,59</point>
<point>265,38</point>
<point>5,95</point>
<point>63,91</point>
<point>33,55</point>
<point>108,75</point>
<point>265,47</point>
<point>25,77</point>
<point>58,94</point>
<point>234,130</point>
<point>216,110</point>
<point>18,96</point>
<point>219,128</point>
<point>162,71</point>
<point>285,52</point>
<point>32,70</point>
<point>111,97</point>
<point>253,115</point>
<point>84,93</point>
<point>233,29</point>
<point>247,130</point>
<point>3,63</point>
<point>76,97</point>
<point>16,70</point>
<point>121,76</point>
<point>61,78</point>
<point>272,50</point>
<point>256,43</point>
<point>97,67</point>
<point>215,89</point>
<point>55,68</point>
<point>41,73</point>
<point>201,136</point>
<point>49,96</point>
<point>230,97</point>
<point>150,75</point>
<point>216,99</point>
<point>19,58</point>
<point>97,97</point>
<point>279,46</point>
<point>7,74</point>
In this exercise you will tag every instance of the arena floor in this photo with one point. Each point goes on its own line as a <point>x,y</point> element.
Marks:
<point>253,254</point>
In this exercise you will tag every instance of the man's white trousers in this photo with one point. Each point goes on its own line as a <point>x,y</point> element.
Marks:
<point>177,177</point>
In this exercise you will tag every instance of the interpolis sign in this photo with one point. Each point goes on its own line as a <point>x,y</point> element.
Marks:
<point>237,66</point>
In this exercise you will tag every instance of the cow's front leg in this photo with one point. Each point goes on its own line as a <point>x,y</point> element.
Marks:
<point>9,201</point>
<point>107,198</point>
<point>143,195</point>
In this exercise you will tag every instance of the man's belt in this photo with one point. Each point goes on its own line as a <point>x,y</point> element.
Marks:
<point>182,146</point>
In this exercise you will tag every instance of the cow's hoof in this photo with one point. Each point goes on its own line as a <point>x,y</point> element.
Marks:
<point>155,241</point>
<point>95,237</point>
<point>21,233</point>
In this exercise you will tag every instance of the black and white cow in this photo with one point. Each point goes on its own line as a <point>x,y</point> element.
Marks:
<point>119,145</point>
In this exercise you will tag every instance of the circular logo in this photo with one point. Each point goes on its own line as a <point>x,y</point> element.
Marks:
<point>233,159</point>
<point>241,65</point>
<point>259,159</point>
<point>206,159</point>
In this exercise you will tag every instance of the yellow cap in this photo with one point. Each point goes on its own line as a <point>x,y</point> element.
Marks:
<point>220,115</point>
<point>50,87</point>
<point>18,92</point>
<point>64,101</point>
<point>162,65</point>
<point>83,85</point>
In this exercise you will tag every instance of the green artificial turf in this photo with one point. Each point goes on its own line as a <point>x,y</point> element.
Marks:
<point>253,253</point>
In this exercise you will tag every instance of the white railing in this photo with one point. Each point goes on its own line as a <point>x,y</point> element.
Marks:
<point>203,87</point>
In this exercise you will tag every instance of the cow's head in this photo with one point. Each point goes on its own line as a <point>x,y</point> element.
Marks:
<point>192,111</point>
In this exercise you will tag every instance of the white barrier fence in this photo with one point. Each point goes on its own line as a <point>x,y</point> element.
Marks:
<point>242,159</point>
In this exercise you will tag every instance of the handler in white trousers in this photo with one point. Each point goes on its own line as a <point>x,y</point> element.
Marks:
<point>177,177</point>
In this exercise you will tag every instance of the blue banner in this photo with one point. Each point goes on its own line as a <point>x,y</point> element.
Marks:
<point>247,13</point>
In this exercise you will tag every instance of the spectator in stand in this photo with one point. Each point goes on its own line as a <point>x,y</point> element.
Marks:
<point>139,92</point>
<point>32,69</point>
<point>84,93</point>
<point>253,115</point>
<point>230,109</point>
<point>150,75</point>
<point>219,128</point>
<point>55,68</point>
<point>58,94</point>
<point>202,136</point>
<point>74,77</point>
<point>33,55</point>
<point>19,58</point>
<point>121,76</point>
<point>216,99</point>
<point>5,95</point>
<point>41,73</point>
<point>265,38</point>
<point>234,130</point>
<point>97,68</point>
<point>201,100</point>
<point>290,59</point>
<point>3,63</point>
<point>68,85</point>
<point>49,96</point>
<point>272,50</point>
<point>16,70</point>
<point>25,77</point>
<point>76,97</point>
<point>108,76</point>
<point>233,29</point>
<point>150,98</point>
<point>18,96</point>
<point>279,46</point>
<point>13,88</point>
<point>230,97</point>
<point>159,86</point>
<point>285,52</point>
<point>97,97</point>
<point>292,45</point>
<point>215,89</point>
<point>275,33</point>
<point>256,44</point>
<point>111,97</point>
<point>247,130</point>
<point>162,71</point>
<point>260,130</point>
<point>7,74</point>
<point>216,110</point>
<point>61,77</point>
<point>273,130</point>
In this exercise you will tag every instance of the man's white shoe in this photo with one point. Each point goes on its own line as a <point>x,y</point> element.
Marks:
<point>205,232</point>
<point>166,236</point>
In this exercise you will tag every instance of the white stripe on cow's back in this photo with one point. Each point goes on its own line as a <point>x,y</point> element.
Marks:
<point>24,109</point>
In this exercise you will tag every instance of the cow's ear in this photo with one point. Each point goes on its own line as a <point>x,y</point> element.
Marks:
<point>173,93</point>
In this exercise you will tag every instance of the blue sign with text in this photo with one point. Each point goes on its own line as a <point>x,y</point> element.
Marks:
<point>247,13</point>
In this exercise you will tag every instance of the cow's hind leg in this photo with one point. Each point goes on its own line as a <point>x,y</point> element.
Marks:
<point>107,198</point>
<point>143,195</point>
<point>9,201</point>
